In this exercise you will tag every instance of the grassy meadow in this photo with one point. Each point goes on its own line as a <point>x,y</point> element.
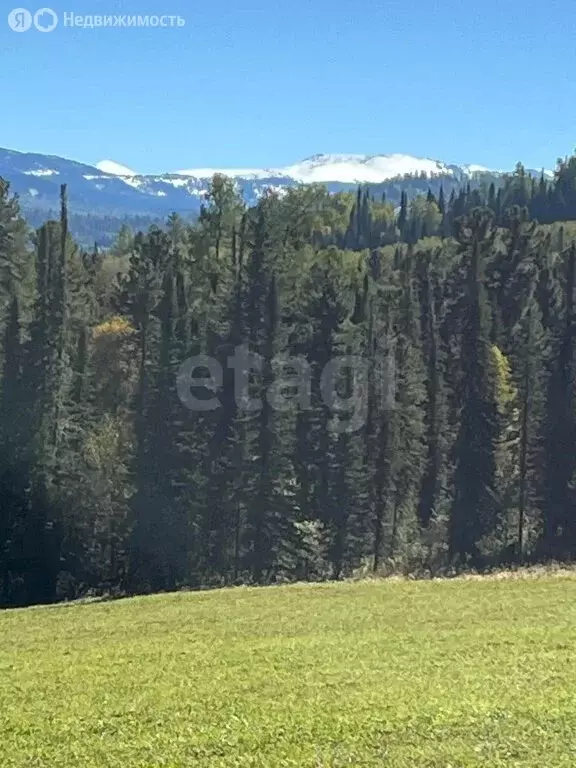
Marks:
<point>445,674</point>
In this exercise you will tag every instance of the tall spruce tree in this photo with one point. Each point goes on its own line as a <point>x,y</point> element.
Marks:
<point>474,510</point>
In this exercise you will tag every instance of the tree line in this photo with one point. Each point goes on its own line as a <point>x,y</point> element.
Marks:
<point>462,310</point>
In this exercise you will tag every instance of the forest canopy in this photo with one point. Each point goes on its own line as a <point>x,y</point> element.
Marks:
<point>455,314</point>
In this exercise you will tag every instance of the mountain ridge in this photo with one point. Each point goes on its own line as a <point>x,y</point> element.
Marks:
<point>335,167</point>
<point>111,189</point>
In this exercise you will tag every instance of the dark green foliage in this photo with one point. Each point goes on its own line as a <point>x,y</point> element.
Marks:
<point>475,505</point>
<point>425,418</point>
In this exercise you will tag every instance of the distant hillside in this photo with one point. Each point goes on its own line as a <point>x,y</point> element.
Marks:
<point>104,196</point>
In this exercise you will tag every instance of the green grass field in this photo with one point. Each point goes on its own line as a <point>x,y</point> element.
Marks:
<point>454,673</point>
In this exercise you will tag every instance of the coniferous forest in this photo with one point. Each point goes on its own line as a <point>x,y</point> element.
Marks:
<point>134,458</point>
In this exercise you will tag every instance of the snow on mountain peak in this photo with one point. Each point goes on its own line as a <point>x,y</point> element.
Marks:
<point>114,169</point>
<point>245,173</point>
<point>320,168</point>
<point>344,168</point>
<point>470,169</point>
<point>353,169</point>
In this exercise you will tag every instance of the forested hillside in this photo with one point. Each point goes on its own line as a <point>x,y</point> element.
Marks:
<point>446,330</point>
<point>93,230</point>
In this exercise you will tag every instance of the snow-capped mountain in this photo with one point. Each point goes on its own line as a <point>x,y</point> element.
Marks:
<point>114,169</point>
<point>363,169</point>
<point>342,169</point>
<point>235,173</point>
<point>111,188</point>
<point>470,170</point>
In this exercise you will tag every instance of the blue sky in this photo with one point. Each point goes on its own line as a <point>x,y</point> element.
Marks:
<point>266,82</point>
